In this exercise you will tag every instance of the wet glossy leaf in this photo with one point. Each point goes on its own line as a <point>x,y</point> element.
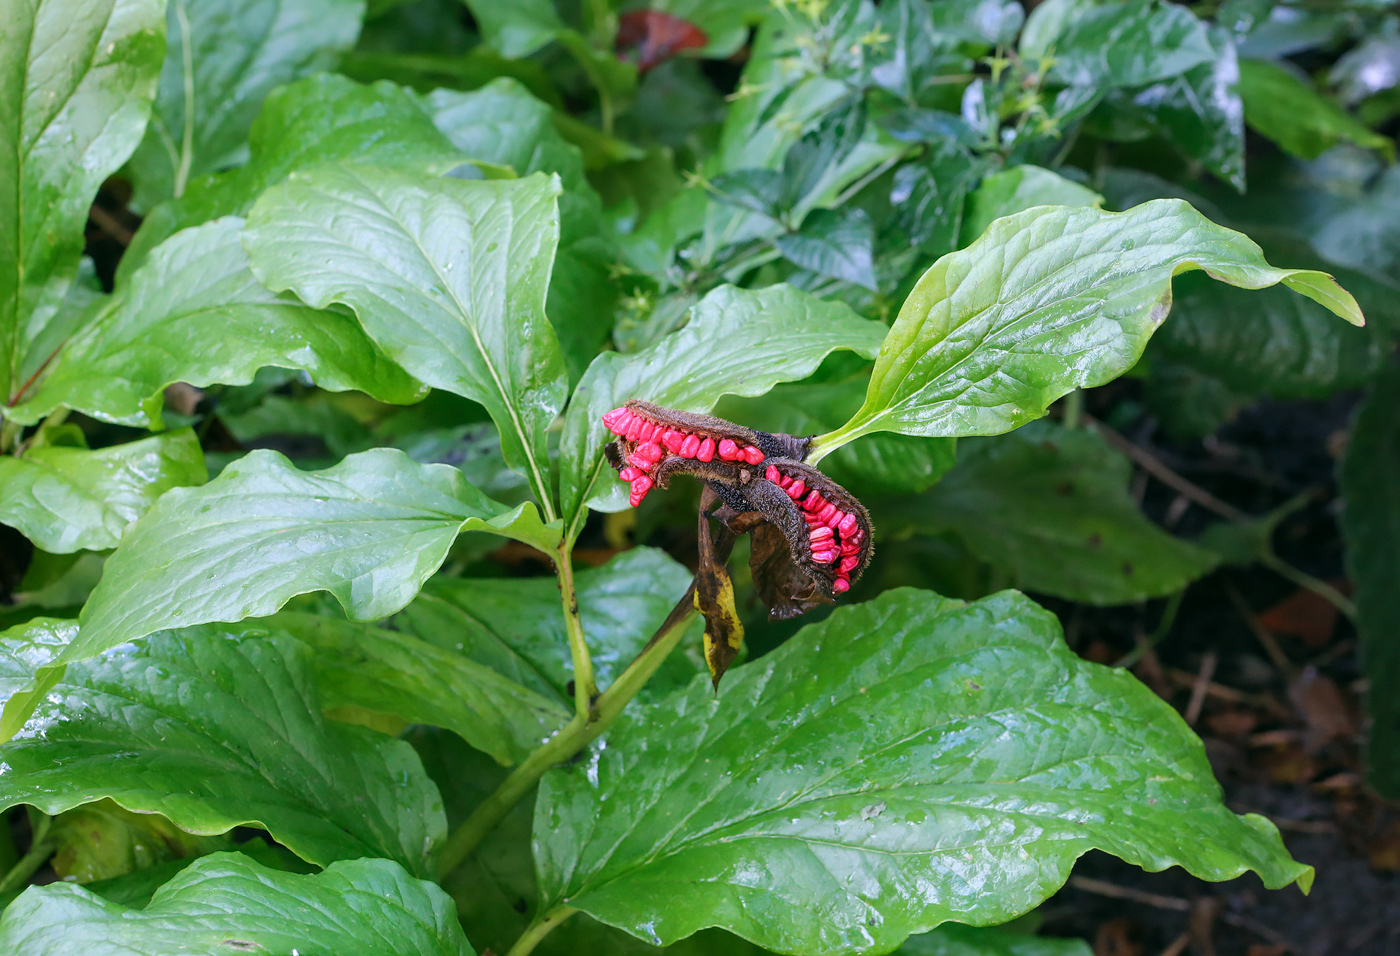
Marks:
<point>447,276</point>
<point>503,123</point>
<point>835,243</point>
<point>1362,233</point>
<point>1371,487</point>
<point>222,60</point>
<point>77,84</point>
<point>1018,189</point>
<point>26,650</point>
<point>219,727</point>
<point>737,342</point>
<point>1046,301</point>
<point>370,531</point>
<point>229,903</point>
<point>516,29</point>
<point>1115,44</point>
<point>908,761</point>
<point>216,323</point>
<point>1050,508</point>
<point>359,665</point>
<point>1301,121</point>
<point>516,626</point>
<point>73,499</point>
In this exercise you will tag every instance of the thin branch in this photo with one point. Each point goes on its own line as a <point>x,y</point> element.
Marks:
<point>1200,686</point>
<point>1262,634</point>
<point>1104,888</point>
<point>585,687</point>
<point>1155,467</point>
<point>110,224</point>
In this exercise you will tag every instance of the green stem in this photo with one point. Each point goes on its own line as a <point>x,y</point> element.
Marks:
<point>1073,409</point>
<point>1306,581</point>
<point>574,736</point>
<point>824,445</point>
<point>39,852</point>
<point>585,686</point>
<point>9,435</point>
<point>539,929</point>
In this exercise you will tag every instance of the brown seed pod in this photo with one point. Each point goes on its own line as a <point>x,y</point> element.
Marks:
<point>828,531</point>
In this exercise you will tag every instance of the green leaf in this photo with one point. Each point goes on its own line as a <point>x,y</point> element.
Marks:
<point>26,650</point>
<point>358,665</point>
<point>448,276</point>
<point>223,59</point>
<point>737,342</point>
<point>839,243</point>
<point>218,727</point>
<point>518,28</point>
<point>908,761</point>
<point>1050,508</point>
<point>1018,189</point>
<point>74,98</point>
<point>73,499</point>
<point>503,123</point>
<point>101,841</point>
<point>226,903</point>
<point>1094,44</point>
<point>215,322</point>
<point>370,531</point>
<point>1301,121</point>
<point>1370,479</point>
<point>515,626</point>
<point>1046,301</point>
<point>952,939</point>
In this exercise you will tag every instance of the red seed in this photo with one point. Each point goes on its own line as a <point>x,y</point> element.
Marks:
<point>728,450</point>
<point>835,520</point>
<point>784,481</point>
<point>848,524</point>
<point>648,432</point>
<point>850,547</point>
<point>640,487</point>
<point>753,455</point>
<point>634,429</point>
<point>823,557</point>
<point>814,501</point>
<point>620,423</point>
<point>771,473</point>
<point>796,489</point>
<point>610,418</point>
<point>707,450</point>
<point>820,534</point>
<point>673,440</point>
<point>812,521</point>
<point>848,563</point>
<point>646,454</point>
<point>690,446</point>
<point>827,511</point>
<point>840,585</point>
<point>630,474</point>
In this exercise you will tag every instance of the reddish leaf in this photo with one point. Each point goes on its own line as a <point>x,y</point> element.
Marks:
<point>1305,615</point>
<point>652,37</point>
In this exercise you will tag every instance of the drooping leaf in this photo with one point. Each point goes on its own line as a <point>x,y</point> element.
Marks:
<point>75,95</point>
<point>1300,120</point>
<point>219,727</point>
<point>503,123</point>
<point>515,626</point>
<point>1050,508</point>
<point>72,499</point>
<point>1018,189</point>
<point>223,58</point>
<point>516,29</point>
<point>370,531</point>
<point>908,761</point>
<point>228,903</point>
<point>714,599</point>
<point>1370,480</point>
<point>835,243</point>
<point>1046,301</point>
<point>214,322</point>
<point>359,665</point>
<point>737,342</point>
<point>1114,44</point>
<point>447,276</point>
<point>321,119</point>
<point>26,650</point>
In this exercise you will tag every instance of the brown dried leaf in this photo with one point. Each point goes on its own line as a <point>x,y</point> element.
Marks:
<point>1305,615</point>
<point>1319,702</point>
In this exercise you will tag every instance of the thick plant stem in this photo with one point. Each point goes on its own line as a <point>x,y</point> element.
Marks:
<point>39,852</point>
<point>585,688</point>
<point>575,735</point>
<point>539,929</point>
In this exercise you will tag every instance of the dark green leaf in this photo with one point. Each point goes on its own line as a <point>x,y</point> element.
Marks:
<point>516,626</point>
<point>215,322</point>
<point>227,903</point>
<point>908,761</point>
<point>1115,44</point>
<point>1046,301</point>
<point>518,28</point>
<point>72,499</point>
<point>1019,189</point>
<point>1301,121</point>
<point>1364,234</point>
<point>359,665</point>
<point>448,276</point>
<point>1051,509</point>
<point>737,342</point>
<point>1371,487</point>
<point>74,98</point>
<point>101,841</point>
<point>370,531</point>
<point>839,243</point>
<point>219,727</point>
<point>951,939</point>
<point>223,59</point>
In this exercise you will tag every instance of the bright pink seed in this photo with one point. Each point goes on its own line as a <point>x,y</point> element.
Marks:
<point>823,557</point>
<point>840,585</point>
<point>812,521</point>
<point>814,501</point>
<point>848,563</point>
<point>649,454</point>
<point>634,429</point>
<point>827,511</point>
<point>648,431</point>
<point>630,474</point>
<point>847,525</point>
<point>707,450</point>
<point>728,450</point>
<point>753,455</point>
<point>620,423</point>
<point>771,473</point>
<point>834,521</point>
<point>820,534</point>
<point>690,446</point>
<point>796,489</point>
<point>850,547</point>
<point>672,440</point>
<point>610,419</point>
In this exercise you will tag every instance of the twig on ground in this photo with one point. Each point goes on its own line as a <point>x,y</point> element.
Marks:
<point>1262,634</point>
<point>1199,687</point>
<point>1105,888</point>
